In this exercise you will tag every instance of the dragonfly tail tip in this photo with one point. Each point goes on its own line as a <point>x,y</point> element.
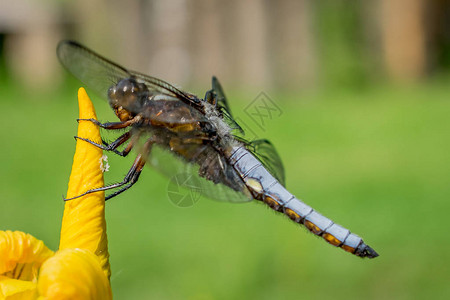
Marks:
<point>370,253</point>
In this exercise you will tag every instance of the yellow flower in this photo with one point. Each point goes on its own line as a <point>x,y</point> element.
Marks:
<point>80,268</point>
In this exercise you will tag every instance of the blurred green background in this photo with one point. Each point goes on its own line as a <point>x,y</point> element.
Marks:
<point>364,136</point>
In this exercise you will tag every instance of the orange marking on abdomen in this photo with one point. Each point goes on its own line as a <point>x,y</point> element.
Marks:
<point>348,248</point>
<point>272,203</point>
<point>292,215</point>
<point>312,227</point>
<point>331,239</point>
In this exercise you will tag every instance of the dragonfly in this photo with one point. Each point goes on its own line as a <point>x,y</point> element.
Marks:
<point>177,132</point>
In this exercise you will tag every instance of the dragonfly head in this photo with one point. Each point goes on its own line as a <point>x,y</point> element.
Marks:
<point>128,94</point>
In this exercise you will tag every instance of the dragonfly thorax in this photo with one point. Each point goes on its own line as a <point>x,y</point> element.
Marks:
<point>127,95</point>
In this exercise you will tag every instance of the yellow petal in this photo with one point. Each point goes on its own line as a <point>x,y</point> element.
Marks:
<point>21,255</point>
<point>17,289</point>
<point>83,224</point>
<point>73,274</point>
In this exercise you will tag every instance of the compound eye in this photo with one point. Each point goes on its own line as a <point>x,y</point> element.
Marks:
<point>125,87</point>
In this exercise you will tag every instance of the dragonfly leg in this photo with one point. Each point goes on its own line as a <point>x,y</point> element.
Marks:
<point>131,177</point>
<point>115,144</point>
<point>113,125</point>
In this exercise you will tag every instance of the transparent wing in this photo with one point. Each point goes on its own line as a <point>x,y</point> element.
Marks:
<point>223,107</point>
<point>99,73</point>
<point>158,86</point>
<point>223,183</point>
<point>265,152</point>
<point>95,71</point>
<point>221,99</point>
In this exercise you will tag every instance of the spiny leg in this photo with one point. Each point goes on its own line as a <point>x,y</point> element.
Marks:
<point>113,125</point>
<point>131,177</point>
<point>111,146</point>
<point>115,144</point>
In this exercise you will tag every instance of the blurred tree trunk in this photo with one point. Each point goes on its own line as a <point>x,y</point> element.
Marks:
<point>92,28</point>
<point>403,36</point>
<point>129,33</point>
<point>291,44</point>
<point>168,40</point>
<point>117,33</point>
<point>250,46</point>
<point>207,41</point>
<point>31,32</point>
